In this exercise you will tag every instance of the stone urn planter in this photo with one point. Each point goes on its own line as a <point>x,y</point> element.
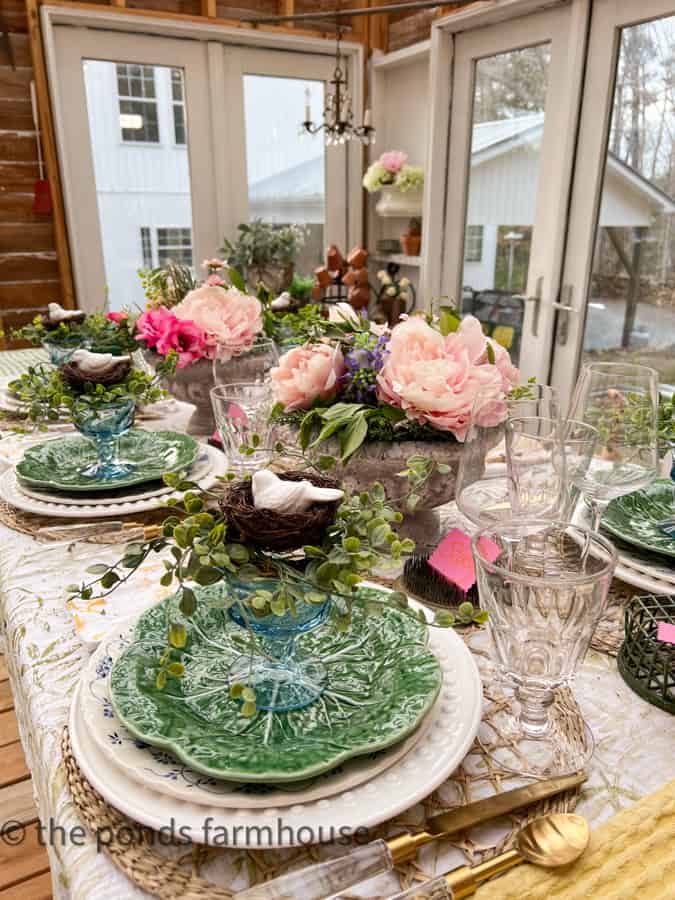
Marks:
<point>382,461</point>
<point>393,203</point>
<point>191,385</point>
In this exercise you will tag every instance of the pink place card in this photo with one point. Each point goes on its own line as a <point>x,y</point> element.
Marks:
<point>665,632</point>
<point>453,559</point>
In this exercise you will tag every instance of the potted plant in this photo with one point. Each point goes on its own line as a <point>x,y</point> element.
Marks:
<point>395,405</point>
<point>411,241</point>
<point>400,185</point>
<point>265,252</point>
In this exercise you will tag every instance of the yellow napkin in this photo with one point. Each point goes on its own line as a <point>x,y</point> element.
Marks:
<point>630,857</point>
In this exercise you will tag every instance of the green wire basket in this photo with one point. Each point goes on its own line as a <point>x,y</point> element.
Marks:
<point>647,665</point>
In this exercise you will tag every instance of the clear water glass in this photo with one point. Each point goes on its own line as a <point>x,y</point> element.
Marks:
<point>482,490</point>
<point>252,366</point>
<point>242,414</point>
<point>545,593</point>
<point>104,425</point>
<point>535,463</point>
<point>537,400</point>
<point>621,402</point>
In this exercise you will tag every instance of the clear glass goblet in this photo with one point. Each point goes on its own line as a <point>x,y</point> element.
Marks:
<point>535,463</point>
<point>545,592</point>
<point>482,489</point>
<point>252,366</point>
<point>621,402</point>
<point>242,413</point>
<point>104,425</point>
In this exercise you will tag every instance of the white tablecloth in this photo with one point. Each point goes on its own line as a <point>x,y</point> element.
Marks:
<point>635,742</point>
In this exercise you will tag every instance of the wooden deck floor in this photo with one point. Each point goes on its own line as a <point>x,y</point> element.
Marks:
<point>24,868</point>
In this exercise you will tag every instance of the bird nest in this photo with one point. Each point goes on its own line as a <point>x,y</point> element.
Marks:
<point>272,530</point>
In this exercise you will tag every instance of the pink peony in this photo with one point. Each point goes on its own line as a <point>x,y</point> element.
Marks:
<point>471,333</point>
<point>229,319</point>
<point>117,317</point>
<point>186,338</point>
<point>437,379</point>
<point>393,160</point>
<point>307,373</point>
<point>152,324</point>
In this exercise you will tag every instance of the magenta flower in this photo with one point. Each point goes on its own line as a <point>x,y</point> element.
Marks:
<point>186,338</point>
<point>117,317</point>
<point>151,325</point>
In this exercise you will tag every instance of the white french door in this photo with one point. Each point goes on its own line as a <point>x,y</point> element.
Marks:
<point>619,265</point>
<point>167,145</point>
<point>513,90</point>
<point>553,134</point>
<point>137,188</point>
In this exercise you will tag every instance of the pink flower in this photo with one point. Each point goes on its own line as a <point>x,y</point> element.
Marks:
<point>393,160</point>
<point>215,280</point>
<point>229,319</point>
<point>186,338</point>
<point>437,380</point>
<point>471,333</point>
<point>117,317</point>
<point>307,373</point>
<point>152,324</point>
<point>214,263</point>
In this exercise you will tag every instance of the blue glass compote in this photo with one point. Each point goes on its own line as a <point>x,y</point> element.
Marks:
<point>104,424</point>
<point>282,678</point>
<point>60,349</point>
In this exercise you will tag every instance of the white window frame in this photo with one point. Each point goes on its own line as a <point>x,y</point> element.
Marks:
<point>129,98</point>
<point>609,17</point>
<point>219,196</point>
<point>457,42</point>
<point>159,228</point>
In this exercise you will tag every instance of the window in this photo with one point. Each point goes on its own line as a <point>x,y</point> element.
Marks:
<point>174,245</point>
<point>473,245</point>
<point>146,247</point>
<point>137,103</point>
<point>178,100</point>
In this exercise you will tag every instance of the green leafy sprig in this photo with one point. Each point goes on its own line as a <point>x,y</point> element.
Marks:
<point>45,396</point>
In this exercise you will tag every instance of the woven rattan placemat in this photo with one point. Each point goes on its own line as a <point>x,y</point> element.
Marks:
<point>135,854</point>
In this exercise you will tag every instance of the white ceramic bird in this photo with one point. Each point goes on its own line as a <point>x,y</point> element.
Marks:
<point>283,301</point>
<point>96,363</point>
<point>271,492</point>
<point>57,314</point>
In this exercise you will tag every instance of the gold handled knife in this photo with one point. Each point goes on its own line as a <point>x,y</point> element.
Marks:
<point>405,846</point>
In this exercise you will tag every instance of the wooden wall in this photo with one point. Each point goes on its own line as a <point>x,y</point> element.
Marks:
<point>28,267</point>
<point>31,275</point>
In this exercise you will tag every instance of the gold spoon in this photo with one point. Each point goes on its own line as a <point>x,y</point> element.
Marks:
<point>554,840</point>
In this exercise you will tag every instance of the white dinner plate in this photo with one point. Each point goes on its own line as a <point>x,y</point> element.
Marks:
<point>10,492</point>
<point>408,781</point>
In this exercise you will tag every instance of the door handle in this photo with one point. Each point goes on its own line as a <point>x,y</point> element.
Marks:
<point>536,299</point>
<point>565,309</point>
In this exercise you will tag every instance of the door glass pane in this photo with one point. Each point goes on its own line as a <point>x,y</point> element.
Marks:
<point>508,123</point>
<point>286,172</point>
<point>138,131</point>
<point>631,307</point>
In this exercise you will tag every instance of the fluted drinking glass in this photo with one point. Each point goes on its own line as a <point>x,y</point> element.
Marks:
<point>545,593</point>
<point>621,402</point>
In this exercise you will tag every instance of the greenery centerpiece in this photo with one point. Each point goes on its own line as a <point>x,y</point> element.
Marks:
<point>394,405</point>
<point>61,332</point>
<point>99,392</point>
<point>265,252</point>
<point>271,594</point>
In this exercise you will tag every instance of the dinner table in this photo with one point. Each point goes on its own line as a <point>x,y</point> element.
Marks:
<point>47,642</point>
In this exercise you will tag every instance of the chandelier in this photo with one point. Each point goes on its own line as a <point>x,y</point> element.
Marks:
<point>338,116</point>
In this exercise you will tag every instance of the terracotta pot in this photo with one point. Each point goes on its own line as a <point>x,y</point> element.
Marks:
<point>411,244</point>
